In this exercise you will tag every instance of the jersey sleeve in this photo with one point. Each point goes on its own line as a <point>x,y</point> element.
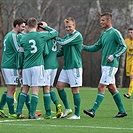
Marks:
<point>121,49</point>
<point>14,42</point>
<point>49,34</point>
<point>93,48</point>
<point>70,40</point>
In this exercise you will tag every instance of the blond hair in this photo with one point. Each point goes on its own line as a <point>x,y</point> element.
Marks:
<point>67,20</point>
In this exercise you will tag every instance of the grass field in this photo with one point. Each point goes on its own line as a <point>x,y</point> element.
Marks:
<point>102,123</point>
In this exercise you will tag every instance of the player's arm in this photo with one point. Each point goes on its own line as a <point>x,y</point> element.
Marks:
<point>21,56</point>
<point>93,48</point>
<point>72,40</point>
<point>49,34</point>
<point>14,43</point>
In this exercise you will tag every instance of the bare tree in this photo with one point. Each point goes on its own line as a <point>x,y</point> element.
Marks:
<point>40,10</point>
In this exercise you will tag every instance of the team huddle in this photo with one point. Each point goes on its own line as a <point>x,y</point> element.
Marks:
<point>30,57</point>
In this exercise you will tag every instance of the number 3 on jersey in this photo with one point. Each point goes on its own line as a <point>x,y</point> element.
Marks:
<point>33,46</point>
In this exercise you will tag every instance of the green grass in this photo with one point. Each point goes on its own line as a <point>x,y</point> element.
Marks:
<point>103,121</point>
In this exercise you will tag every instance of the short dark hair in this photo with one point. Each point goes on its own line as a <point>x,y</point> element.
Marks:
<point>40,25</point>
<point>107,14</point>
<point>18,21</point>
<point>130,29</point>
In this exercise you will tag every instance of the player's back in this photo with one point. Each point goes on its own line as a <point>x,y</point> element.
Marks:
<point>33,44</point>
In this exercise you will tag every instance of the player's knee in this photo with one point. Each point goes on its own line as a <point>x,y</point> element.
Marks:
<point>59,86</point>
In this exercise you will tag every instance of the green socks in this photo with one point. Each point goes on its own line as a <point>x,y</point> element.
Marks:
<point>63,97</point>
<point>77,101</point>
<point>27,102</point>
<point>18,102</point>
<point>54,97</point>
<point>10,103</point>
<point>34,102</point>
<point>47,103</point>
<point>21,100</point>
<point>3,100</point>
<point>98,101</point>
<point>118,101</point>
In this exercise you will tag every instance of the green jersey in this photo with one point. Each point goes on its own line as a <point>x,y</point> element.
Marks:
<point>33,44</point>
<point>20,36</point>
<point>50,60</point>
<point>20,54</point>
<point>10,50</point>
<point>112,43</point>
<point>71,50</point>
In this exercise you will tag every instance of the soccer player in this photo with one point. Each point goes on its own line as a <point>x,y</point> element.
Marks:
<point>129,61</point>
<point>50,66</point>
<point>113,46</point>
<point>71,47</point>
<point>33,65</point>
<point>9,66</point>
<point>27,102</point>
<point>19,37</point>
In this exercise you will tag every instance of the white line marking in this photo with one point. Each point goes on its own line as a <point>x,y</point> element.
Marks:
<point>9,122</point>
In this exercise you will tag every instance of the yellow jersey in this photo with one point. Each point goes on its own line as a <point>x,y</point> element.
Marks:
<point>129,57</point>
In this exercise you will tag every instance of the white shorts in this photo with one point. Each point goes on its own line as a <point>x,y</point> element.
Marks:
<point>33,76</point>
<point>108,75</point>
<point>71,76</point>
<point>10,76</point>
<point>49,75</point>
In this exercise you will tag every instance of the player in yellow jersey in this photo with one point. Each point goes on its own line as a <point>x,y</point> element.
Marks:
<point>129,61</point>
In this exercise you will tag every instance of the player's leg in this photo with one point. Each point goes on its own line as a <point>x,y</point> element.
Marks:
<point>27,101</point>
<point>21,100</point>
<point>56,102</point>
<point>2,104</point>
<point>3,100</point>
<point>77,101</point>
<point>25,86</point>
<point>52,74</point>
<point>47,101</point>
<point>118,100</point>
<point>62,80</point>
<point>100,96</point>
<point>104,81</point>
<point>46,94</point>
<point>75,80</point>
<point>130,90</point>
<point>116,95</point>
<point>11,80</point>
<point>34,102</point>
<point>37,80</point>
<point>50,80</point>
<point>10,100</point>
